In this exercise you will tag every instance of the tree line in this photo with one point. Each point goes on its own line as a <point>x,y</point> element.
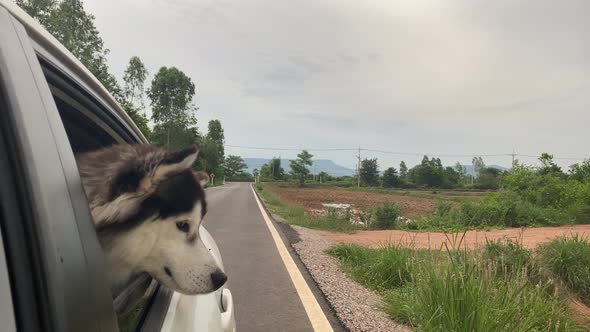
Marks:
<point>170,120</point>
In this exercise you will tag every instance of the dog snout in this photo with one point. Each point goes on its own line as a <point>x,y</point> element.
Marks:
<point>218,278</point>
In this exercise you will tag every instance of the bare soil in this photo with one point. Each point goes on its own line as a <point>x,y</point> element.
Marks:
<point>528,237</point>
<point>312,199</point>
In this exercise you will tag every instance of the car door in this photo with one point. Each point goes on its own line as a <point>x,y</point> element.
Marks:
<point>53,256</point>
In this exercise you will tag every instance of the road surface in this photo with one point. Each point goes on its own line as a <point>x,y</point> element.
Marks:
<point>265,296</point>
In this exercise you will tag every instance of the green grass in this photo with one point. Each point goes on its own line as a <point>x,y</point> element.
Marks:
<point>568,258</point>
<point>458,290</point>
<point>296,215</point>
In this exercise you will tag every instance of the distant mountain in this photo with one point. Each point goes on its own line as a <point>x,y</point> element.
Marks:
<point>470,170</point>
<point>319,165</point>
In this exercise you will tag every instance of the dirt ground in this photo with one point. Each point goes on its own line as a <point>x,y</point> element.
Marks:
<point>312,198</point>
<point>528,237</point>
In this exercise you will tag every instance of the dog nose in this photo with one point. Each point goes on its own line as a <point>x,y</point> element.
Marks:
<point>218,278</point>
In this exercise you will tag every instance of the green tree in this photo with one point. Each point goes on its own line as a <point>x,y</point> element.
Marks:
<point>265,171</point>
<point>581,171</point>
<point>234,166</point>
<point>390,178</point>
<point>369,172</point>
<point>132,103</point>
<point>323,176</point>
<point>171,97</point>
<point>403,169</point>
<point>548,166</point>
<point>134,78</point>
<point>299,168</point>
<point>67,21</point>
<point>478,165</point>
<point>213,151</point>
<point>461,172</point>
<point>276,171</point>
<point>255,172</point>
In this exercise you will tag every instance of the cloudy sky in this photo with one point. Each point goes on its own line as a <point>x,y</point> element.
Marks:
<point>458,77</point>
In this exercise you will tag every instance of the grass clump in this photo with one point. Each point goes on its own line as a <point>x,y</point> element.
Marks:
<point>568,258</point>
<point>385,216</point>
<point>459,290</point>
<point>385,268</point>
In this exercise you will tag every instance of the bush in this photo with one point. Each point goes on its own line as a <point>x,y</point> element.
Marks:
<point>385,216</point>
<point>569,260</point>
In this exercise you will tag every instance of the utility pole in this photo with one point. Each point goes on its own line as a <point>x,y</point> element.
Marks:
<point>358,169</point>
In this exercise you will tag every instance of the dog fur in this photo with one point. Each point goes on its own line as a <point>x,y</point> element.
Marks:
<point>147,205</point>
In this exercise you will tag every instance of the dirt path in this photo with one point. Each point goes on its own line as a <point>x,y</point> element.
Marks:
<point>529,237</point>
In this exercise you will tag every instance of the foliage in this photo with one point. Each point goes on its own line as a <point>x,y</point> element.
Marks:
<point>140,121</point>
<point>234,166</point>
<point>171,96</point>
<point>369,172</point>
<point>489,178</point>
<point>385,216</point>
<point>390,178</point>
<point>568,258</point>
<point>386,268</point>
<point>134,78</point>
<point>452,290</point>
<point>67,21</point>
<point>580,171</point>
<point>212,149</point>
<point>509,258</point>
<point>299,168</point>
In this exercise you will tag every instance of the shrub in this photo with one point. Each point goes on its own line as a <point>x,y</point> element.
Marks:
<point>569,260</point>
<point>385,216</point>
<point>443,207</point>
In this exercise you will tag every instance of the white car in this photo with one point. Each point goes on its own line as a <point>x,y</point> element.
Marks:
<point>52,275</point>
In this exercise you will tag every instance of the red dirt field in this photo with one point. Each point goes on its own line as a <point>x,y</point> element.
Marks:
<point>529,237</point>
<point>312,198</point>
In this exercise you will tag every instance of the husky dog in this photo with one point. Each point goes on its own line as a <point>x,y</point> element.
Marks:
<point>147,206</point>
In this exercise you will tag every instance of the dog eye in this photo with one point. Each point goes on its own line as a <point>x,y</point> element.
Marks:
<point>182,226</point>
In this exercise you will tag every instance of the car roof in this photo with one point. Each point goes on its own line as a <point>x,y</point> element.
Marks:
<point>50,44</point>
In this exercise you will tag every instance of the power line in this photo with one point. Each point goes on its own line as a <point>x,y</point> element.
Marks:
<point>416,154</point>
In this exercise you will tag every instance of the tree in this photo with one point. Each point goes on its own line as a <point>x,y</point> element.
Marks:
<point>461,172</point>
<point>478,165</point>
<point>323,176</point>
<point>489,178</point>
<point>369,172</point>
<point>390,178</point>
<point>255,172</point>
<point>265,171</point>
<point>548,166</point>
<point>581,171</point>
<point>134,78</point>
<point>212,148</point>
<point>132,102</point>
<point>171,97</point>
<point>234,166</point>
<point>299,168</point>
<point>403,170</point>
<point>67,21</point>
<point>276,171</point>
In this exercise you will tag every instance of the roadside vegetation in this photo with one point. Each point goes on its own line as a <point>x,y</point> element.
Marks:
<point>528,196</point>
<point>502,287</point>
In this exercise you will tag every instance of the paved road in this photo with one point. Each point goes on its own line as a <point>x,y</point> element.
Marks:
<point>264,295</point>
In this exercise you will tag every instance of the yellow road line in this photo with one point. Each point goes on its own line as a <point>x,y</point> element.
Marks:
<point>316,315</point>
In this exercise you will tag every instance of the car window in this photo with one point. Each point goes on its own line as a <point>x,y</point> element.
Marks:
<point>89,125</point>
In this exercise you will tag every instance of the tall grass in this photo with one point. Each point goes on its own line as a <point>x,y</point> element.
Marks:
<point>459,290</point>
<point>568,258</point>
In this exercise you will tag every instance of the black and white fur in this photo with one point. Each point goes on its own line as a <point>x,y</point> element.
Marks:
<point>147,204</point>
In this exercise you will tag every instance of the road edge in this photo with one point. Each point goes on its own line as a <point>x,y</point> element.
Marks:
<point>290,239</point>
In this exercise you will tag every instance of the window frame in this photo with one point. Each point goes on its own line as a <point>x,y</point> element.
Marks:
<point>103,116</point>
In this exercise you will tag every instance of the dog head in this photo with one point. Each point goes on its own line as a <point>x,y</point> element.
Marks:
<point>147,205</point>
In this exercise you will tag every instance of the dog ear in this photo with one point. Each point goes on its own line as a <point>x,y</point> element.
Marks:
<point>176,161</point>
<point>202,178</point>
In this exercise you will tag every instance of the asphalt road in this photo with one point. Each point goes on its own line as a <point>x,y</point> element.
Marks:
<point>265,298</point>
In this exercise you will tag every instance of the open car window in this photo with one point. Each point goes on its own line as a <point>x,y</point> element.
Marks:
<point>90,126</point>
